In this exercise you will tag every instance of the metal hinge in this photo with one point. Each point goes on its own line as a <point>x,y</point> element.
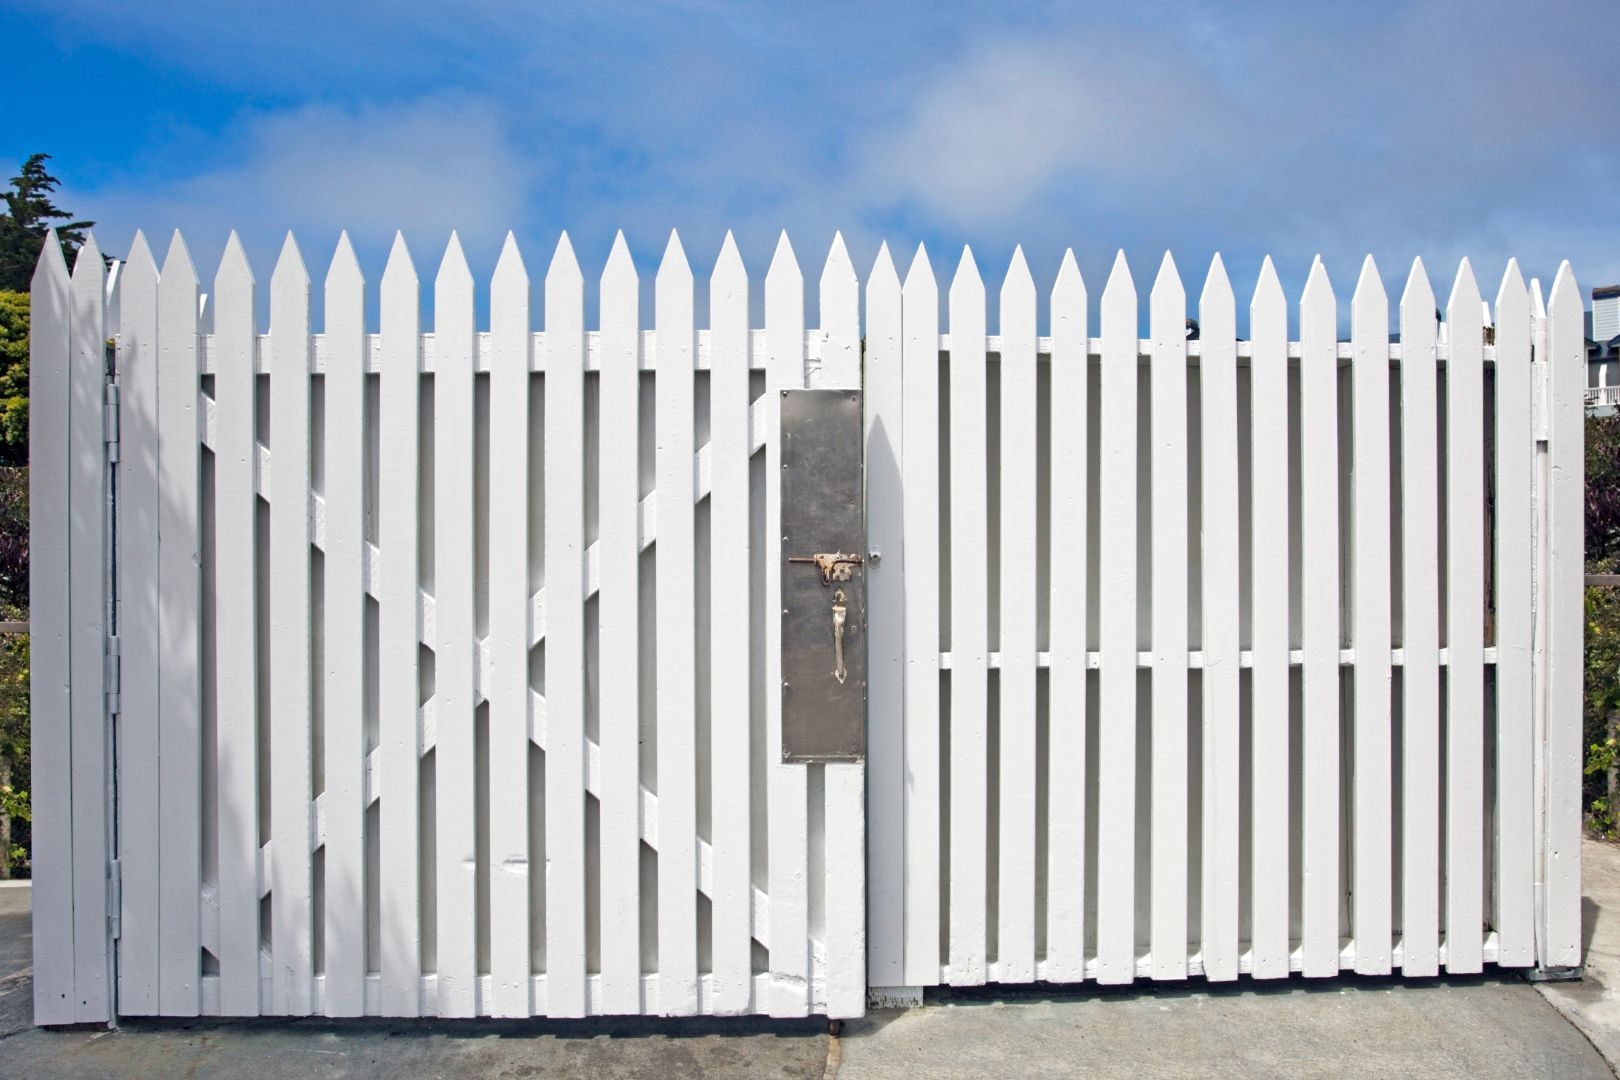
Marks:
<point>110,423</point>
<point>113,672</point>
<point>115,900</point>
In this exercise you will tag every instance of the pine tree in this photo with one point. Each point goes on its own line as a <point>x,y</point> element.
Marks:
<point>29,213</point>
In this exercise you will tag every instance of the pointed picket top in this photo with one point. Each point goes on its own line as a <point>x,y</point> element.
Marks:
<point>1512,299</point>
<point>1463,306</point>
<point>1120,288</point>
<point>839,273</point>
<point>1369,297</point>
<point>1217,304</point>
<point>619,275</point>
<point>289,266</point>
<point>51,266</point>
<point>344,271</point>
<point>511,276</point>
<point>140,266</point>
<point>1018,286</point>
<point>883,276</point>
<point>1119,277</point>
<point>1538,303</point>
<point>1318,316</point>
<point>1268,292</point>
<point>784,268</point>
<point>1565,293</point>
<point>1317,286</point>
<point>232,300</point>
<point>564,269</point>
<point>1068,291</point>
<point>1168,300</point>
<point>967,276</point>
<point>89,260</point>
<point>674,266</point>
<point>920,276</point>
<point>453,269</point>
<point>1417,299</point>
<point>840,292</point>
<point>177,262</point>
<point>1168,276</point>
<point>729,271</point>
<point>400,271</point>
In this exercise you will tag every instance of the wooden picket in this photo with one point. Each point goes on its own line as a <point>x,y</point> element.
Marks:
<point>1420,632</point>
<point>448,585</point>
<point>1117,633</point>
<point>1372,807</point>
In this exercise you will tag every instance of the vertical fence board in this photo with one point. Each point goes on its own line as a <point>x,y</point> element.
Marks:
<point>731,618</point>
<point>1015,906</point>
<point>620,635</point>
<point>455,644</point>
<point>1319,622</point>
<point>1465,625</point>
<point>236,633</point>
<point>920,510</point>
<point>677,628</point>
<point>139,848</point>
<point>1268,583</point>
<point>51,763</point>
<point>1420,632</point>
<point>970,597</point>
<point>291,892</point>
<point>787,789</point>
<point>398,638</point>
<point>1066,636</point>
<point>1168,463</point>
<point>87,546</point>
<point>885,635</point>
<point>1513,517</point>
<point>1218,428</point>
<point>1566,346</point>
<point>1116,582</point>
<point>844,818</point>
<point>345,604</point>
<point>180,636</point>
<point>1371,824</point>
<point>508,694</point>
<point>565,633</point>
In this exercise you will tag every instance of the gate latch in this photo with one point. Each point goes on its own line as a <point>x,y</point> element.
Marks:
<point>835,566</point>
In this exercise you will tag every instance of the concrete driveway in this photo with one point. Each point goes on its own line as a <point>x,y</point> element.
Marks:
<point>1478,1028</point>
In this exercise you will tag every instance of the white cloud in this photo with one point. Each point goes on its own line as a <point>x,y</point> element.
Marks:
<point>428,166</point>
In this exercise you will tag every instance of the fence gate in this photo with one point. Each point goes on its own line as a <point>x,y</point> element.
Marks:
<point>520,672</point>
<point>445,670</point>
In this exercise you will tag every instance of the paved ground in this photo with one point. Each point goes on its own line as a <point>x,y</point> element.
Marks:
<point>1475,1028</point>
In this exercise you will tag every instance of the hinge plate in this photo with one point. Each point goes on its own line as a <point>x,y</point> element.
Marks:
<point>110,428</point>
<point>113,672</point>
<point>115,899</point>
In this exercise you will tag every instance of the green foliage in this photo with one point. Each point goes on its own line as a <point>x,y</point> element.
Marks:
<point>1601,722</point>
<point>28,215</point>
<point>1602,492</point>
<point>13,378</point>
<point>14,764</point>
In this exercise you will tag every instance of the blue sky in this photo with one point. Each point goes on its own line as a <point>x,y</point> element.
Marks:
<point>1435,128</point>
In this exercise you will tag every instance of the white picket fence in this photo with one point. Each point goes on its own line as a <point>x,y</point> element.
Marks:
<point>1185,657</point>
<point>1255,656</point>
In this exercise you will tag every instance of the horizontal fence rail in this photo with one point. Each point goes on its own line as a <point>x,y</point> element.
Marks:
<point>439,673</point>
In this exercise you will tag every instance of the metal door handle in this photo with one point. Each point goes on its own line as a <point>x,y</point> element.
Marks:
<point>839,612</point>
